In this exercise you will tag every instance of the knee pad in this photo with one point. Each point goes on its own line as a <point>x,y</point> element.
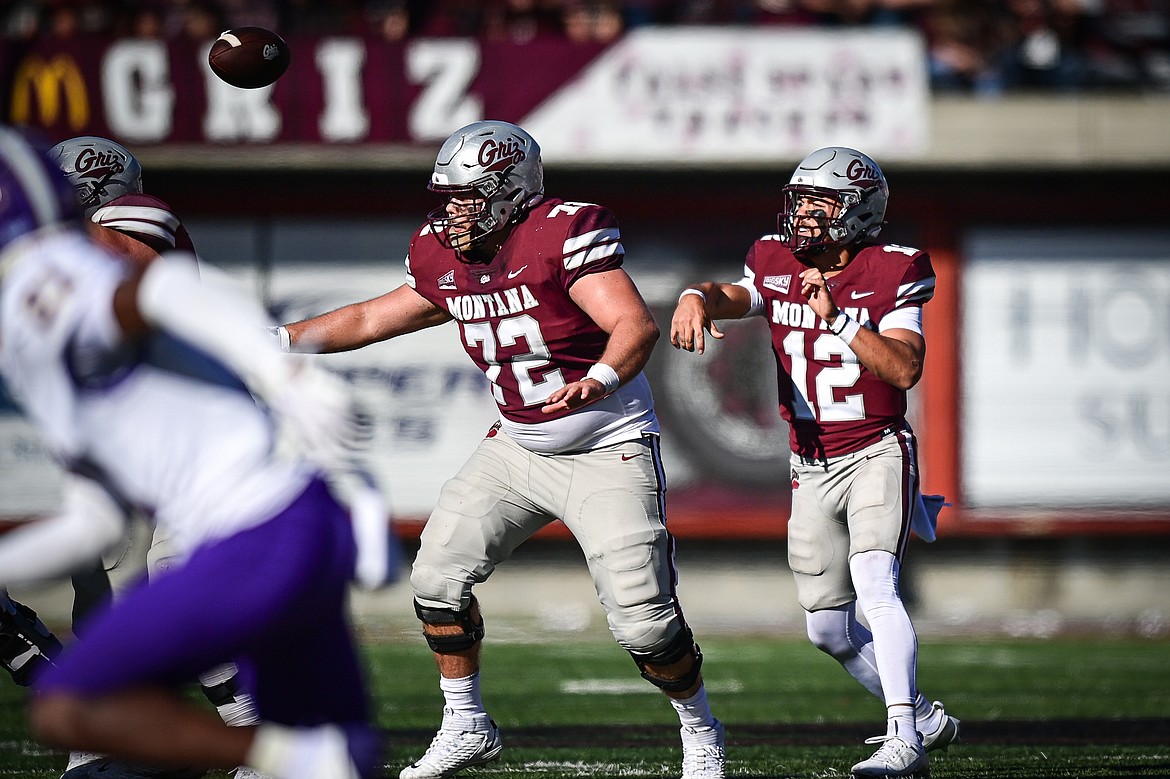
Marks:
<point>472,632</point>
<point>682,645</point>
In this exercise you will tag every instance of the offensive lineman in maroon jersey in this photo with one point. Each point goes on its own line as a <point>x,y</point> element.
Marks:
<point>545,309</point>
<point>845,313</point>
<point>108,180</point>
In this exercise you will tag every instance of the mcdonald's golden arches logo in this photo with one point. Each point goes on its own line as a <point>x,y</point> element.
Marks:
<point>50,80</point>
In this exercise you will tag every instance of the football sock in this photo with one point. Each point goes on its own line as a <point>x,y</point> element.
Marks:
<point>901,723</point>
<point>462,695</point>
<point>694,712</point>
<point>221,686</point>
<point>927,717</point>
<point>837,632</point>
<point>239,713</point>
<point>300,753</point>
<point>895,645</point>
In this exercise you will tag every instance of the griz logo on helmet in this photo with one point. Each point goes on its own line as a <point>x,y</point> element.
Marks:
<point>861,175</point>
<point>94,168</point>
<point>496,156</point>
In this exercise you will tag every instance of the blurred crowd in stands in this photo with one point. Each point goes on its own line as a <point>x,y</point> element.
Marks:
<point>983,47</point>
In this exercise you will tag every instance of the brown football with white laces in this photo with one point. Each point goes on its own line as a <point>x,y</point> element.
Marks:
<point>249,57</point>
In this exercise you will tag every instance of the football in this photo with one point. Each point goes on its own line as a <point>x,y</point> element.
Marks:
<point>249,57</point>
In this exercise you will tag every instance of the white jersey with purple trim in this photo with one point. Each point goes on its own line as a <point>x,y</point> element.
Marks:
<point>163,426</point>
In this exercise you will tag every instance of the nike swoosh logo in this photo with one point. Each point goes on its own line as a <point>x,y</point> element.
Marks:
<point>515,273</point>
<point>858,295</point>
<point>630,456</point>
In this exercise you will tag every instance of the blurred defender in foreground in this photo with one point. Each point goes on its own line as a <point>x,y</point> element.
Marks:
<point>546,311</point>
<point>141,381</point>
<point>138,227</point>
<point>846,318</point>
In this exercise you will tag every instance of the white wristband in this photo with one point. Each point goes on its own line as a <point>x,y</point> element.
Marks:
<point>283,339</point>
<point>604,375</point>
<point>844,327</point>
<point>692,291</point>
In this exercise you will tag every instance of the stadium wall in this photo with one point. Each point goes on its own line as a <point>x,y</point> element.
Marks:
<point>290,189</point>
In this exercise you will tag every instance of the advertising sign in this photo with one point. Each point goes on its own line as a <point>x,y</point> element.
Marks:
<point>689,94</point>
<point>1066,369</point>
<point>741,95</point>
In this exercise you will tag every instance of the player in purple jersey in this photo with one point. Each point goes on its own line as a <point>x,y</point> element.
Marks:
<point>100,170</point>
<point>144,383</point>
<point>544,308</point>
<point>104,174</point>
<point>138,227</point>
<point>845,313</point>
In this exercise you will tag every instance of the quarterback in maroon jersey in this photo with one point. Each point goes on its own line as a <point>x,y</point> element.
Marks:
<point>546,311</point>
<point>845,314</point>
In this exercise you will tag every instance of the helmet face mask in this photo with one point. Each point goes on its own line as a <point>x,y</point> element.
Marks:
<point>465,219</point>
<point>837,196</point>
<point>98,168</point>
<point>491,174</point>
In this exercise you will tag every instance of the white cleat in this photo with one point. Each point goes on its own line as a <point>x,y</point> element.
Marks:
<point>895,757</point>
<point>946,734</point>
<point>77,759</point>
<point>704,754</point>
<point>243,772</point>
<point>462,742</point>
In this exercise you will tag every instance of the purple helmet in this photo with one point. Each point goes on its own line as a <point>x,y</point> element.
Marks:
<point>33,192</point>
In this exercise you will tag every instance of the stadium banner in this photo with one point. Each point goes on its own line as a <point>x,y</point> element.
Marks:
<point>698,94</point>
<point>1066,369</point>
<point>735,95</point>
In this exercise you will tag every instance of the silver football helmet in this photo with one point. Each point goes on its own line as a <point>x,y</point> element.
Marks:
<point>491,174</point>
<point>846,177</point>
<point>98,168</point>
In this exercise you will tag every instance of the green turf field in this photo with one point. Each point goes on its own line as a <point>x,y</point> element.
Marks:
<point>574,706</point>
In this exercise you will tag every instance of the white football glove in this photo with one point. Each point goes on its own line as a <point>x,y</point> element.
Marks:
<point>313,407</point>
<point>317,414</point>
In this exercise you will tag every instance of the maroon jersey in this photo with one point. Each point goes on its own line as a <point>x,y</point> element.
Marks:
<point>832,403</point>
<point>147,219</point>
<point>518,322</point>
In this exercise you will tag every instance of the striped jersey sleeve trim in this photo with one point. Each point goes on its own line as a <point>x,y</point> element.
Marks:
<point>590,247</point>
<point>143,220</point>
<point>409,273</point>
<point>915,293</point>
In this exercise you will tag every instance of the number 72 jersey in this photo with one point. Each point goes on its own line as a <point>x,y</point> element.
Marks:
<point>833,404</point>
<point>517,320</point>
